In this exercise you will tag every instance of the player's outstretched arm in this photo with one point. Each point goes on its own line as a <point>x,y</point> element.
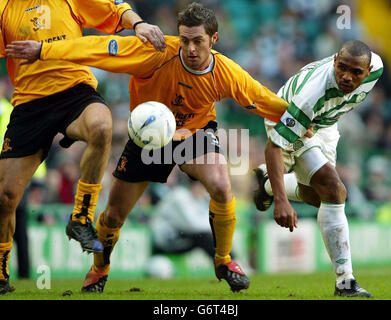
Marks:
<point>284,214</point>
<point>111,53</point>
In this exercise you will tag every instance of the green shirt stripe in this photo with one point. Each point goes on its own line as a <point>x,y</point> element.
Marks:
<point>287,91</point>
<point>285,132</point>
<point>299,115</point>
<point>330,94</point>
<point>373,76</point>
<point>295,83</point>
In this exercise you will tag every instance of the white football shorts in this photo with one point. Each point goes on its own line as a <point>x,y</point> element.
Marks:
<point>307,155</point>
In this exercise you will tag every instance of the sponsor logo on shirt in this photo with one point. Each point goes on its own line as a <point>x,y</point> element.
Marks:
<point>182,118</point>
<point>290,122</point>
<point>118,1</point>
<point>113,47</point>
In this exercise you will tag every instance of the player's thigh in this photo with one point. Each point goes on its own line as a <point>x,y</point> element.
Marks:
<point>307,164</point>
<point>123,196</point>
<point>95,119</point>
<point>15,174</point>
<point>211,170</point>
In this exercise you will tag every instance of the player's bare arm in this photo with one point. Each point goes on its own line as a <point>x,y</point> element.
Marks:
<point>145,31</point>
<point>28,50</point>
<point>284,214</point>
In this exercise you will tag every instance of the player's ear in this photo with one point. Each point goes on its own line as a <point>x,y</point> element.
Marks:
<point>215,38</point>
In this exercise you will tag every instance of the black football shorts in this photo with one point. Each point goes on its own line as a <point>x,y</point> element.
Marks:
<point>137,164</point>
<point>34,124</point>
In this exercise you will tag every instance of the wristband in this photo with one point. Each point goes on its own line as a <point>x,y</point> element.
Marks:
<point>138,22</point>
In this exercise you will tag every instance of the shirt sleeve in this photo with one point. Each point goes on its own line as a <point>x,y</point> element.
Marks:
<point>298,118</point>
<point>111,53</point>
<point>2,49</point>
<point>103,15</point>
<point>251,94</point>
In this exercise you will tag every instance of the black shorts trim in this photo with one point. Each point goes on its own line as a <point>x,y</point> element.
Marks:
<point>34,124</point>
<point>138,165</point>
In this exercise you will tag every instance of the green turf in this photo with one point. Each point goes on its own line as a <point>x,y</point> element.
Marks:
<point>316,286</point>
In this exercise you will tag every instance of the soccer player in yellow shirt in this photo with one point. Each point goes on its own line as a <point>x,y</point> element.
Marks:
<point>188,77</point>
<point>52,97</point>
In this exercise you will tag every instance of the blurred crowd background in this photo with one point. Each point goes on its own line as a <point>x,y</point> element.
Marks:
<point>272,40</point>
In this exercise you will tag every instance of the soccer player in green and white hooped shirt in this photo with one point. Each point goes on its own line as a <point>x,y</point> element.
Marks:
<point>305,140</point>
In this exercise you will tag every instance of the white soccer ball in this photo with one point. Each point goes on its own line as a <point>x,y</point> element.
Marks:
<point>151,125</point>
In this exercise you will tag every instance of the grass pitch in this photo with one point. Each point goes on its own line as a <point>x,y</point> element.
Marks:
<point>316,286</point>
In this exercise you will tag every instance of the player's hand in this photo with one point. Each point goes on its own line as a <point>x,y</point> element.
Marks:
<point>310,132</point>
<point>285,215</point>
<point>148,32</point>
<point>28,50</point>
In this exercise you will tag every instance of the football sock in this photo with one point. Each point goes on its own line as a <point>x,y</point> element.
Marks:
<point>222,220</point>
<point>85,201</point>
<point>335,233</point>
<point>291,187</point>
<point>5,252</point>
<point>108,237</point>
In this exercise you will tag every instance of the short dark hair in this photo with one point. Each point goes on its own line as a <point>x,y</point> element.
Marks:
<point>357,48</point>
<point>195,14</point>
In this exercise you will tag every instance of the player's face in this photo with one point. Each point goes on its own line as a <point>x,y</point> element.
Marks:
<point>196,45</point>
<point>350,71</point>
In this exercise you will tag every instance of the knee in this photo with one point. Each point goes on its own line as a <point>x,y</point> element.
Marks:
<point>333,190</point>
<point>101,132</point>
<point>113,218</point>
<point>221,190</point>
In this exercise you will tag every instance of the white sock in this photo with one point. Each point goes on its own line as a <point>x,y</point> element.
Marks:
<point>335,232</point>
<point>291,187</point>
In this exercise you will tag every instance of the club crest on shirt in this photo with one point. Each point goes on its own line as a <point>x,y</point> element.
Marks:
<point>298,145</point>
<point>42,18</point>
<point>178,102</point>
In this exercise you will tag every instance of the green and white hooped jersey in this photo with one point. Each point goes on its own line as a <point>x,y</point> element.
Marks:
<point>315,100</point>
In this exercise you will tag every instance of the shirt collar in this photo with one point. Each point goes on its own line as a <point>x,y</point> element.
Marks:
<point>197,72</point>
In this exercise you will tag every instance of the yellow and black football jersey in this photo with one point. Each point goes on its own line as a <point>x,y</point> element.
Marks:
<point>163,77</point>
<point>52,21</point>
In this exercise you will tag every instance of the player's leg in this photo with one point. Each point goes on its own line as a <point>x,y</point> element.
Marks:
<point>15,174</point>
<point>213,174</point>
<point>131,178</point>
<point>263,196</point>
<point>334,228</point>
<point>317,171</point>
<point>123,197</point>
<point>94,126</point>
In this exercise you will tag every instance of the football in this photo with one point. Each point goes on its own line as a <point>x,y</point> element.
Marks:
<point>151,125</point>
